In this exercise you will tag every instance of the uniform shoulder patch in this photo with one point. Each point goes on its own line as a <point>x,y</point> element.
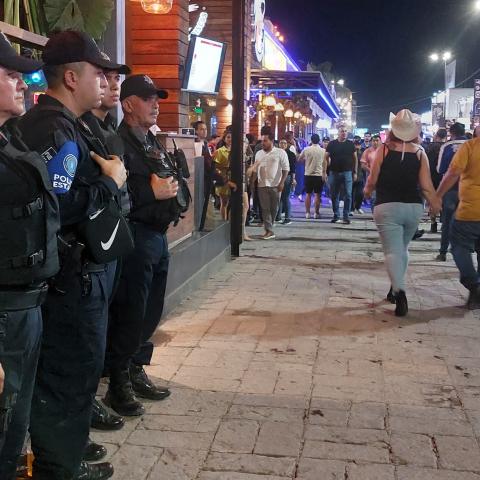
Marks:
<point>62,166</point>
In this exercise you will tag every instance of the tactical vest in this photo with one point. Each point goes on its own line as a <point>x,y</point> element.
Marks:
<point>28,232</point>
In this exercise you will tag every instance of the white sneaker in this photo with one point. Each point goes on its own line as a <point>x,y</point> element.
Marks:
<point>360,211</point>
<point>316,216</point>
<point>307,216</point>
<point>269,236</point>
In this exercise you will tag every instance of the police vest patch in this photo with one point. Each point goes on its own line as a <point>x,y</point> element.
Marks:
<point>63,166</point>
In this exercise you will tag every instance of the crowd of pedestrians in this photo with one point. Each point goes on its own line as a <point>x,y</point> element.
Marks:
<point>84,249</point>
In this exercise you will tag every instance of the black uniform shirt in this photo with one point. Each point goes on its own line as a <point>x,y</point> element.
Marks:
<point>144,207</point>
<point>48,132</point>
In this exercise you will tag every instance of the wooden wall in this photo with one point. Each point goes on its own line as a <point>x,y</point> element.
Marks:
<point>219,27</point>
<point>157,46</point>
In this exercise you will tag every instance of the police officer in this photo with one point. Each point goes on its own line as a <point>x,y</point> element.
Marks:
<point>75,313</point>
<point>138,304</point>
<point>29,222</point>
<point>103,125</point>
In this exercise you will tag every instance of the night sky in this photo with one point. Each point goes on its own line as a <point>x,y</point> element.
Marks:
<point>381,47</point>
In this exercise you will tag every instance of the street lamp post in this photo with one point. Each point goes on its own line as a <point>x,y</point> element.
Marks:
<point>446,57</point>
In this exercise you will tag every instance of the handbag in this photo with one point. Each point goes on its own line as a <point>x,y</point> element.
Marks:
<point>106,234</point>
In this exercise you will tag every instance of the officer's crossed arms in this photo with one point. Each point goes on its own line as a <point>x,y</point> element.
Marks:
<point>113,168</point>
<point>163,188</point>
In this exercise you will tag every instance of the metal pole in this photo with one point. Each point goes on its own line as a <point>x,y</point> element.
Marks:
<point>238,86</point>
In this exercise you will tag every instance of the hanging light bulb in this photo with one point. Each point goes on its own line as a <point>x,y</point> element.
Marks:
<point>270,101</point>
<point>157,6</point>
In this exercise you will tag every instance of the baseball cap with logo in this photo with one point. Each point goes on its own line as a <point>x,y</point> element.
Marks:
<point>72,46</point>
<point>10,59</point>
<point>141,86</point>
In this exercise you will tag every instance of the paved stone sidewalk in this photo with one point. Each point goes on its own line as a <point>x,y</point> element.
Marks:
<point>289,364</point>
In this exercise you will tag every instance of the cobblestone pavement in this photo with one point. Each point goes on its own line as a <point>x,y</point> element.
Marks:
<point>289,364</point>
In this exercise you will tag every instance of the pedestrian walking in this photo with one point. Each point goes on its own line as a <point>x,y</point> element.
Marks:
<point>342,161</point>
<point>465,230</point>
<point>290,183</point>
<point>450,199</point>
<point>271,168</point>
<point>315,172</point>
<point>397,171</point>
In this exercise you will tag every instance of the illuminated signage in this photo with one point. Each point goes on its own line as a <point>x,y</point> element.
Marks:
<point>259,25</point>
<point>198,23</point>
<point>274,58</point>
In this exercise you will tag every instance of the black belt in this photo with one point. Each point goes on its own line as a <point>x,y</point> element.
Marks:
<point>91,267</point>
<point>18,299</point>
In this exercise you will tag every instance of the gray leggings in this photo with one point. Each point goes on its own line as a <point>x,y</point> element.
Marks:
<point>397,223</point>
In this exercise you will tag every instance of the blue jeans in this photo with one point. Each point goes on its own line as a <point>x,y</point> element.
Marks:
<point>285,205</point>
<point>450,203</point>
<point>465,238</point>
<point>337,180</point>
<point>397,223</point>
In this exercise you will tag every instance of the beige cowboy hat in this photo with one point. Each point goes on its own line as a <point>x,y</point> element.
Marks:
<point>405,125</point>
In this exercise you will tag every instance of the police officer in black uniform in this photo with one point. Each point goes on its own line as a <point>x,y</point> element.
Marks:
<point>29,222</point>
<point>103,125</point>
<point>138,303</point>
<point>75,312</point>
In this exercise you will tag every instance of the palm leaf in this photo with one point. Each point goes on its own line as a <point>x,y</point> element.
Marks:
<point>90,16</point>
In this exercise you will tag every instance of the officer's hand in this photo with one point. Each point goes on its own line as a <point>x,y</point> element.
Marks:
<point>2,378</point>
<point>163,188</point>
<point>113,168</point>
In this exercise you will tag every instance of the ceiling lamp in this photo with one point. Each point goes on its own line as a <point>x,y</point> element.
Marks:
<point>158,7</point>
<point>297,115</point>
<point>279,107</point>
<point>288,113</point>
<point>270,101</point>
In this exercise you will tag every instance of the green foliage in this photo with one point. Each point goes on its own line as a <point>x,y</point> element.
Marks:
<point>90,16</point>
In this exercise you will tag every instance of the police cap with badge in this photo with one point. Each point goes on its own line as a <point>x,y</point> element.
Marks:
<point>29,217</point>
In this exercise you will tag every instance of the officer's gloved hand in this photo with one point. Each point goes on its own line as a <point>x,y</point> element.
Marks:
<point>2,378</point>
<point>113,168</point>
<point>163,188</point>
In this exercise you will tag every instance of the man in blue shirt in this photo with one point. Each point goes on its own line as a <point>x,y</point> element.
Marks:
<point>450,200</point>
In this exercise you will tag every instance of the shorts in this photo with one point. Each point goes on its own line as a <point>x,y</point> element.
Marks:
<point>313,184</point>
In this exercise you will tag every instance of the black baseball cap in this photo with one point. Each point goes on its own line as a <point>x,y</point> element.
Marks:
<point>141,86</point>
<point>72,46</point>
<point>10,59</point>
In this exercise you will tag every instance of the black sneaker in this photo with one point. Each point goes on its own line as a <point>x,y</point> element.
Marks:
<point>418,234</point>
<point>474,299</point>
<point>441,257</point>
<point>434,227</point>
<point>391,296</point>
<point>402,304</point>
<point>144,387</point>
<point>334,220</point>
<point>346,221</point>
<point>287,221</point>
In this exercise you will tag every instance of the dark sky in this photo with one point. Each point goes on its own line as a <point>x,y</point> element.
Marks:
<point>381,47</point>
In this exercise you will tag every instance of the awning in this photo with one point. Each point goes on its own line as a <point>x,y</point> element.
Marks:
<point>311,84</point>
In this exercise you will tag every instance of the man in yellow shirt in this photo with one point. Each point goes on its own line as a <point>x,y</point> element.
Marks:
<point>465,230</point>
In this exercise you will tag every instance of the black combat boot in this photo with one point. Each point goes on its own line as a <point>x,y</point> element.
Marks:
<point>102,419</point>
<point>94,452</point>
<point>144,387</point>
<point>97,471</point>
<point>120,396</point>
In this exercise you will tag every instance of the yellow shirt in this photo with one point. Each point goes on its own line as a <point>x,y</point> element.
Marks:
<point>467,162</point>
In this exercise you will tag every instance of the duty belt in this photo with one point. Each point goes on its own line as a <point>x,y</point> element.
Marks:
<point>22,299</point>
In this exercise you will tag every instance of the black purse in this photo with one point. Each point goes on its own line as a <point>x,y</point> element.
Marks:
<point>106,234</point>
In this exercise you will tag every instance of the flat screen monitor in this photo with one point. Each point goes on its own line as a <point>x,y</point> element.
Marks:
<point>203,70</point>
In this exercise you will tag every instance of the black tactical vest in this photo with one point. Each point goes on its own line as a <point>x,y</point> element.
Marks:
<point>28,229</point>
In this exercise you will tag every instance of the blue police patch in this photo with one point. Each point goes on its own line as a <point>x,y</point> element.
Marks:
<point>63,166</point>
